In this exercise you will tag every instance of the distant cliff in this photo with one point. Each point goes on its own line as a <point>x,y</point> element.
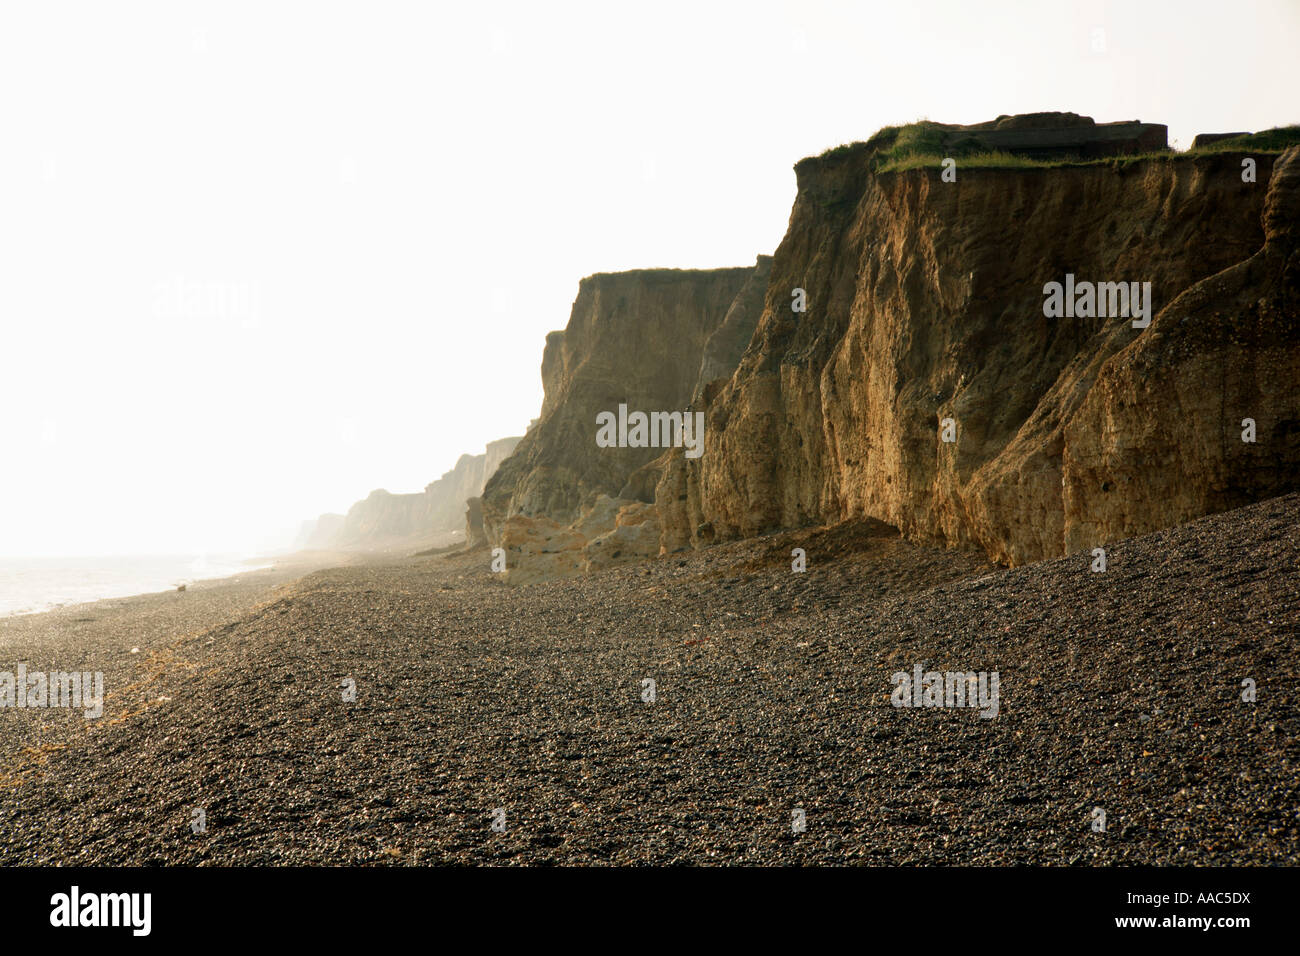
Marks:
<point>444,499</point>
<point>383,519</point>
<point>896,360</point>
<point>318,533</point>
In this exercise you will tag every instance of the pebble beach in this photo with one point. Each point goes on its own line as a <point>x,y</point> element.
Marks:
<point>708,707</point>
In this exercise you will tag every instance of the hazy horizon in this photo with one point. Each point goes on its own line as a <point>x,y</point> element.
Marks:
<point>272,258</point>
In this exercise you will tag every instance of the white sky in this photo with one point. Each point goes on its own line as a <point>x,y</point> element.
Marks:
<point>257,259</point>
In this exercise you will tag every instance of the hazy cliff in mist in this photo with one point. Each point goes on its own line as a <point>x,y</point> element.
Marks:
<point>385,519</point>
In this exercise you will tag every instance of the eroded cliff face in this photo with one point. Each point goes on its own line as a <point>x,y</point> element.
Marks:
<point>562,504</point>
<point>1158,440</point>
<point>633,338</point>
<point>728,342</point>
<point>925,302</point>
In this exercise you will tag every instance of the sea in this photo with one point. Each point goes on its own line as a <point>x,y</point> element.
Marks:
<point>32,585</point>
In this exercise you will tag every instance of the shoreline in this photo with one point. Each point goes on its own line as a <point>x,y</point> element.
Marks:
<point>772,692</point>
<point>297,561</point>
<point>191,584</point>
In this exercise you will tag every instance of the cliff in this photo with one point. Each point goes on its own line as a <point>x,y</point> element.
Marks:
<point>633,338</point>
<point>318,534</point>
<point>446,497</point>
<point>927,381</point>
<point>641,340</point>
<point>383,519</point>
<point>1225,350</point>
<point>926,302</point>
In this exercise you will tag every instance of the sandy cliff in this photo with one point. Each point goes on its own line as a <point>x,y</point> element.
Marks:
<point>636,339</point>
<point>1158,439</point>
<point>925,302</point>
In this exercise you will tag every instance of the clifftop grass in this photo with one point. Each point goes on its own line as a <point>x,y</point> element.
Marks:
<point>1273,140</point>
<point>920,144</point>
